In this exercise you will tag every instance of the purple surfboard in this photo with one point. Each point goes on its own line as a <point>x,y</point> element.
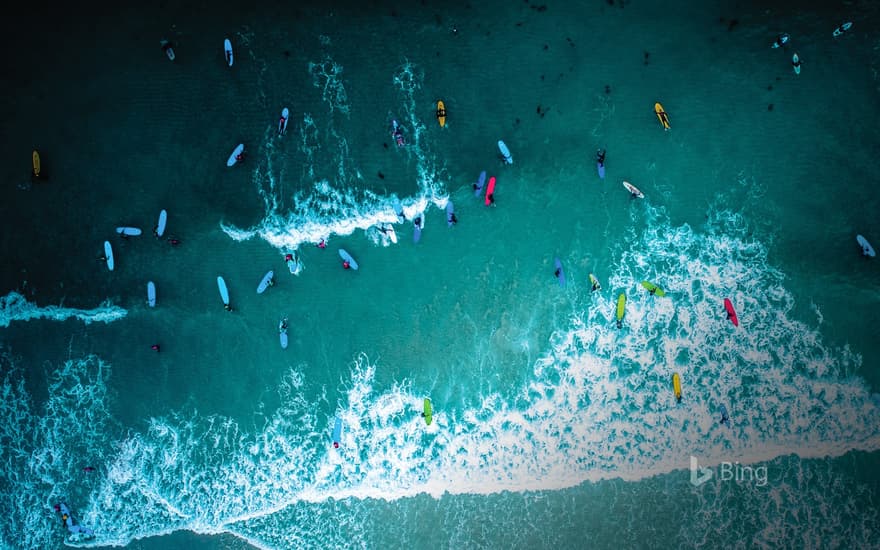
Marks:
<point>478,187</point>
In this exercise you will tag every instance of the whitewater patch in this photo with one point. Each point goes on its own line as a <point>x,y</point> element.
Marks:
<point>15,307</point>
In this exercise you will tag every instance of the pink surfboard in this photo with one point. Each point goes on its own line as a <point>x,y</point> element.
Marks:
<point>490,189</point>
<point>731,313</point>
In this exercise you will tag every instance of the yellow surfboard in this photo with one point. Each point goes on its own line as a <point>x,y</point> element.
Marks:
<point>36,160</point>
<point>661,114</point>
<point>676,386</point>
<point>621,309</point>
<point>441,113</point>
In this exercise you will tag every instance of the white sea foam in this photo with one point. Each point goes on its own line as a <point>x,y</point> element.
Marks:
<point>15,307</point>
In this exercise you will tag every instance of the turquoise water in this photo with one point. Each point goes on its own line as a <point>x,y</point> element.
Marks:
<point>552,427</point>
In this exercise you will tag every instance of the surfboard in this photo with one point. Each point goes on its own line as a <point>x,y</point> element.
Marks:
<point>282,333</point>
<point>505,152</point>
<point>151,294</point>
<point>293,265</point>
<point>169,51</point>
<point>224,292</point>
<point>560,273</point>
<point>600,167</point>
<point>725,418</point>
<point>478,186</point>
<point>398,209</point>
<point>128,231</point>
<point>676,386</point>
<point>661,114</point>
<point>621,309</point>
<point>427,411</point>
<point>347,257</point>
<point>796,63</point>
<point>227,51</point>
<point>418,225</point>
<point>108,253</point>
<point>490,191</point>
<point>337,432</point>
<point>441,113</point>
<point>450,211</point>
<point>282,122</point>
<point>633,190</point>
<point>160,226</point>
<point>235,152</point>
<point>653,289</point>
<point>843,28</point>
<point>392,234</point>
<point>780,40</point>
<point>731,313</point>
<point>867,249</point>
<point>35,159</point>
<point>264,283</point>
<point>594,283</point>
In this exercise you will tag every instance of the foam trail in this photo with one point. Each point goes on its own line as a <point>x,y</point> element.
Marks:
<point>15,307</point>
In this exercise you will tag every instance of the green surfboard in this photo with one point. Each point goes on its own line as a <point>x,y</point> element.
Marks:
<point>428,411</point>
<point>621,305</point>
<point>653,289</point>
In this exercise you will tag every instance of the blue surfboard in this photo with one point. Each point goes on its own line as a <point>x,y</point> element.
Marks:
<point>478,187</point>
<point>725,418</point>
<point>337,431</point>
<point>560,273</point>
<point>450,212</point>
<point>601,168</point>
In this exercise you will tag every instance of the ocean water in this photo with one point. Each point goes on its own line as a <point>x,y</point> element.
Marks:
<point>552,427</point>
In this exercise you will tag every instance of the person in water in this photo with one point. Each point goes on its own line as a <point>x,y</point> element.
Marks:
<point>491,198</point>
<point>453,219</point>
<point>600,157</point>
<point>797,63</point>
<point>345,264</point>
<point>173,241</point>
<point>102,258</point>
<point>227,307</point>
<point>322,244</point>
<point>156,348</point>
<point>156,231</point>
<point>335,444</point>
<point>418,221</point>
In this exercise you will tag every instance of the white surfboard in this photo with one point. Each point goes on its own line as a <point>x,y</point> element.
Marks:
<point>224,292</point>
<point>867,249</point>
<point>392,234</point>
<point>796,63</point>
<point>264,284</point>
<point>237,151</point>
<point>282,333</point>
<point>842,29</point>
<point>108,253</point>
<point>505,152</point>
<point>160,226</point>
<point>282,122</point>
<point>347,257</point>
<point>227,51</point>
<point>633,190</point>
<point>151,294</point>
<point>780,40</point>
<point>169,51</point>
<point>128,231</point>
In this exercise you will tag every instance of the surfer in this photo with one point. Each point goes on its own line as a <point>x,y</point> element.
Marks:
<point>156,231</point>
<point>600,157</point>
<point>780,40</point>
<point>491,198</point>
<point>796,62</point>
<point>173,241</point>
<point>88,469</point>
<point>397,133</point>
<point>596,286</point>
<point>725,419</point>
<point>441,112</point>
<point>452,219</point>
<point>239,157</point>
<point>557,272</point>
<point>282,327</point>
<point>346,264</point>
<point>322,244</point>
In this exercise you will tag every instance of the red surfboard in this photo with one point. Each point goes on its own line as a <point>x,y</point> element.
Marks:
<point>731,313</point>
<point>489,190</point>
